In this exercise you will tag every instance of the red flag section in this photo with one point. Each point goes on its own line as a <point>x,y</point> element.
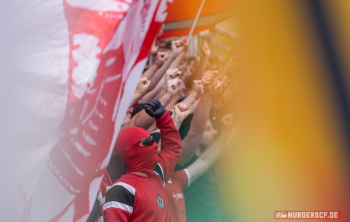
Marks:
<point>109,42</point>
<point>182,14</point>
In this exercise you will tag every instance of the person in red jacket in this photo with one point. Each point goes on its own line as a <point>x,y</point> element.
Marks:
<point>140,195</point>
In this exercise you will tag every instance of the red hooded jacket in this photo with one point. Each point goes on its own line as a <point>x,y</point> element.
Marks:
<point>138,198</point>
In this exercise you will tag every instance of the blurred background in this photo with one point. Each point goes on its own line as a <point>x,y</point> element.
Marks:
<point>293,99</point>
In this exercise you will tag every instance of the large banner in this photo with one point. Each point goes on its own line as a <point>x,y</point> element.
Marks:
<point>95,52</point>
<point>213,12</point>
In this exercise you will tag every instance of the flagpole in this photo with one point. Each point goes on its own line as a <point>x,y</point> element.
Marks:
<point>195,20</point>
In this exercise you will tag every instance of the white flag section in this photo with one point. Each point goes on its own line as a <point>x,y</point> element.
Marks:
<point>82,67</point>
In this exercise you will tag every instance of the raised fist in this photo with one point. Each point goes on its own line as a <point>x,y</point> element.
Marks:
<point>205,50</point>
<point>172,86</point>
<point>161,58</point>
<point>181,111</point>
<point>177,47</point>
<point>208,80</point>
<point>197,86</point>
<point>154,108</point>
<point>185,43</point>
<point>227,120</point>
<point>142,86</point>
<point>172,74</point>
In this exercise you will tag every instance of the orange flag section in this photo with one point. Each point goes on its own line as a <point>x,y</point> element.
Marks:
<point>292,152</point>
<point>181,15</point>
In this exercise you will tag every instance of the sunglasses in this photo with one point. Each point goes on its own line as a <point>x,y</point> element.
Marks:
<point>148,141</point>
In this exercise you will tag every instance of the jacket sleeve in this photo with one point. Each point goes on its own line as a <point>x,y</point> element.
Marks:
<point>112,214</point>
<point>170,146</point>
<point>182,177</point>
<point>119,203</point>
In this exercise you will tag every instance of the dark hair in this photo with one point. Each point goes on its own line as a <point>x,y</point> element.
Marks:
<point>156,136</point>
<point>137,109</point>
<point>185,126</point>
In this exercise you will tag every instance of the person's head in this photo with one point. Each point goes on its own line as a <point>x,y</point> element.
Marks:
<point>135,146</point>
<point>208,134</point>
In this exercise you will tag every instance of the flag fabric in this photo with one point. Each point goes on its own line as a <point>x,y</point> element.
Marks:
<point>213,12</point>
<point>94,52</point>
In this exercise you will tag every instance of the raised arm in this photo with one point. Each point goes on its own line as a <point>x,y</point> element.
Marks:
<point>198,73</point>
<point>197,89</point>
<point>180,46</point>
<point>140,90</point>
<point>232,62</point>
<point>192,97</point>
<point>143,120</point>
<point>158,79</point>
<point>192,140</point>
<point>160,60</point>
<point>212,154</point>
<point>174,101</point>
<point>171,142</point>
<point>181,111</point>
<point>170,74</point>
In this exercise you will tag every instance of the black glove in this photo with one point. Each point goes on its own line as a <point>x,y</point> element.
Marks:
<point>154,108</point>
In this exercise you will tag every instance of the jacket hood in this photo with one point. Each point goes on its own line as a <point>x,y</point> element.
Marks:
<point>137,158</point>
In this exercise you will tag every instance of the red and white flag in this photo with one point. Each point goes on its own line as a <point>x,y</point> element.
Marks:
<point>90,55</point>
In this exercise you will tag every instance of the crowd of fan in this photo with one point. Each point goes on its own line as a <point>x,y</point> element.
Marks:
<point>178,126</point>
